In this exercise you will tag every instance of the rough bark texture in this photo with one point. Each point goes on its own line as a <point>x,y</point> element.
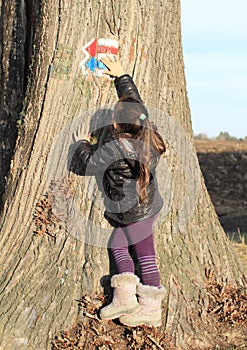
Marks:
<point>16,42</point>
<point>12,81</point>
<point>43,276</point>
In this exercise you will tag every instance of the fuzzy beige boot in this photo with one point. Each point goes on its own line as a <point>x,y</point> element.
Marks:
<point>124,297</point>
<point>150,312</point>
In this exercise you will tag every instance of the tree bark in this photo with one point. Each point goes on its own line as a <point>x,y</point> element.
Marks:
<point>12,82</point>
<point>44,274</point>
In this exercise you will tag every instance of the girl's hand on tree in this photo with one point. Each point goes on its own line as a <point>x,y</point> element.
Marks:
<point>80,134</point>
<point>114,66</point>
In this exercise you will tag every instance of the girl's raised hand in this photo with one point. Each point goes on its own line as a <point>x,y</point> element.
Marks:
<point>114,66</point>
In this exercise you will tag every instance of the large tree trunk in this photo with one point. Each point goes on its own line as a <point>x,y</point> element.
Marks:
<point>44,273</point>
<point>12,82</point>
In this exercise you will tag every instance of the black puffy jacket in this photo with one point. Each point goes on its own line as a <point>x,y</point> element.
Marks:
<point>116,168</point>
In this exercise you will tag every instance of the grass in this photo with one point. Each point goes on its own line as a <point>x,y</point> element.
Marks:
<point>239,243</point>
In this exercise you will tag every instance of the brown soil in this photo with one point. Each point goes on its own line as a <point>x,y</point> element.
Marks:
<point>224,166</point>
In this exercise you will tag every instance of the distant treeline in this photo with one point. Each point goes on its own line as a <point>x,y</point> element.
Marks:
<point>223,136</point>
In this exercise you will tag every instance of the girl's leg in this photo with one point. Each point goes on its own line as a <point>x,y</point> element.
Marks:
<point>145,251</point>
<point>124,283</point>
<point>150,292</point>
<point>119,248</point>
<point>147,259</point>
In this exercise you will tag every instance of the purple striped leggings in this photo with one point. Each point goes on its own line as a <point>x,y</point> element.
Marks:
<point>140,236</point>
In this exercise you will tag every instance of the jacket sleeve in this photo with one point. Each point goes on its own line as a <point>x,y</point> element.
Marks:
<point>125,86</point>
<point>93,159</point>
<point>83,152</point>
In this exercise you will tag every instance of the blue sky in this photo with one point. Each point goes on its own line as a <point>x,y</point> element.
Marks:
<point>214,34</point>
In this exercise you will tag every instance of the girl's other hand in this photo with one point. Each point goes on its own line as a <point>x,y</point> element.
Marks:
<point>114,66</point>
<point>80,134</point>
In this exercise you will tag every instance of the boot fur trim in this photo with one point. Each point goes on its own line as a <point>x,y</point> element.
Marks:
<point>123,278</point>
<point>151,291</point>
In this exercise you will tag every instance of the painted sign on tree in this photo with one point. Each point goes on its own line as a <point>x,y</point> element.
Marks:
<point>94,50</point>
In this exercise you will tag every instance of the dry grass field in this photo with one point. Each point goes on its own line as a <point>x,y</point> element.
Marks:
<point>207,146</point>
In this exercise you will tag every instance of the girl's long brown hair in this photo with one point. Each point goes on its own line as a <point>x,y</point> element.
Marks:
<point>127,114</point>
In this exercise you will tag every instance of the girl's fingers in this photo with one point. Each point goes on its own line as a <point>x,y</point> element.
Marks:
<point>110,58</point>
<point>112,63</point>
<point>106,62</point>
<point>106,72</point>
<point>103,59</point>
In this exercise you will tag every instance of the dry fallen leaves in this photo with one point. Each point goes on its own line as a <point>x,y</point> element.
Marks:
<point>227,302</point>
<point>91,333</point>
<point>227,314</point>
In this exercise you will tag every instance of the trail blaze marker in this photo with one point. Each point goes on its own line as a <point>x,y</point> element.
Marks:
<point>94,50</point>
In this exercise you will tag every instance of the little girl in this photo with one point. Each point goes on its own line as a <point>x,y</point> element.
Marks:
<point>129,156</point>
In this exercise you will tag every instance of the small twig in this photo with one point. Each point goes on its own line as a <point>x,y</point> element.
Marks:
<point>216,309</point>
<point>155,342</point>
<point>91,316</point>
<point>95,330</point>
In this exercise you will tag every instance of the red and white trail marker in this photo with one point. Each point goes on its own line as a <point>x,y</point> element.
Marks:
<point>94,50</point>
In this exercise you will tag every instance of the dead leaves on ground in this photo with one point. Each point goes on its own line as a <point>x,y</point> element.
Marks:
<point>91,333</point>
<point>228,303</point>
<point>227,314</point>
<point>228,320</point>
